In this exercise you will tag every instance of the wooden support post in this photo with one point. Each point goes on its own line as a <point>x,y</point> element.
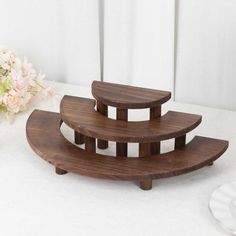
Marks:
<point>79,138</point>
<point>121,148</point>
<point>155,112</point>
<point>145,151</point>
<point>60,171</point>
<point>90,145</point>
<point>180,141</point>
<point>101,108</point>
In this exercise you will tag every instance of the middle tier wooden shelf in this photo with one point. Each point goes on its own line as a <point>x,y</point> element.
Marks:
<point>45,137</point>
<point>79,114</point>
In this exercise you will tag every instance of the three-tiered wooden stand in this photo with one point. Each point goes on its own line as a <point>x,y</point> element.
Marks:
<point>45,137</point>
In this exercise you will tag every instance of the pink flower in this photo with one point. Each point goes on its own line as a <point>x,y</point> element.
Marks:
<point>19,82</point>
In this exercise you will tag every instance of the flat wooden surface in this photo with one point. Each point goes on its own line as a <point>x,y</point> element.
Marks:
<point>79,114</point>
<point>124,96</point>
<point>45,138</point>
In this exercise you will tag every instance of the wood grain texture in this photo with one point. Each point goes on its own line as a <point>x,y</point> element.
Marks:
<point>128,97</point>
<point>45,138</point>
<point>144,152</point>
<point>90,144</point>
<point>103,109</point>
<point>121,148</point>
<point>79,138</point>
<point>60,171</point>
<point>180,142</point>
<point>155,112</point>
<point>79,114</point>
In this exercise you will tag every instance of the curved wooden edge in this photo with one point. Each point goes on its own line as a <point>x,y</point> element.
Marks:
<point>128,97</point>
<point>45,138</point>
<point>80,115</point>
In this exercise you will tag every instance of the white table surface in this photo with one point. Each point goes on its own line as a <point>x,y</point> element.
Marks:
<point>34,201</point>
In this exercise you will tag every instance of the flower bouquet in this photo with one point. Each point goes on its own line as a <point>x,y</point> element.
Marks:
<point>19,83</point>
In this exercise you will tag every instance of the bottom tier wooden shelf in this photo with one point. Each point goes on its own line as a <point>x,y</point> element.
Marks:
<point>46,139</point>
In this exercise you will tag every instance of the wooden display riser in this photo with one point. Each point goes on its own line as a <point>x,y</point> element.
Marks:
<point>89,125</point>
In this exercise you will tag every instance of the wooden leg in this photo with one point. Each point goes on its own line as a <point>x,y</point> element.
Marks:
<point>145,151</point>
<point>79,138</point>
<point>101,108</point>
<point>60,171</point>
<point>121,148</point>
<point>155,148</point>
<point>102,144</point>
<point>180,141</point>
<point>146,184</point>
<point>90,144</point>
<point>155,112</point>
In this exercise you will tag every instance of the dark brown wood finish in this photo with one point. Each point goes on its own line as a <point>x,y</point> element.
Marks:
<point>145,151</point>
<point>128,97</point>
<point>103,109</point>
<point>122,114</point>
<point>79,114</point>
<point>60,171</point>
<point>155,112</point>
<point>45,138</point>
<point>180,142</point>
<point>79,138</point>
<point>90,144</point>
<point>121,148</point>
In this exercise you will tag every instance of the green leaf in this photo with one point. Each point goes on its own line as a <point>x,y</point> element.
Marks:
<point>5,86</point>
<point>3,108</point>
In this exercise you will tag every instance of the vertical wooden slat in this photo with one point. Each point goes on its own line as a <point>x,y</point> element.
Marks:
<point>121,148</point>
<point>103,109</point>
<point>145,151</point>
<point>155,112</point>
<point>90,144</point>
<point>180,141</point>
<point>79,138</point>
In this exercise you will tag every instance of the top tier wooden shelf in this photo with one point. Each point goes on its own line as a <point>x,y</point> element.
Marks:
<point>128,97</point>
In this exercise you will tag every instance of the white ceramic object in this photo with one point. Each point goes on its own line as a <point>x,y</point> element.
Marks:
<point>222,205</point>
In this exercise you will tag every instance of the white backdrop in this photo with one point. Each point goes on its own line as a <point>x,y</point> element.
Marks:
<point>206,53</point>
<point>139,42</point>
<point>61,38</point>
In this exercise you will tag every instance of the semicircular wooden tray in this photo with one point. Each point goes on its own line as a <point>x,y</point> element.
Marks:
<point>45,137</point>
